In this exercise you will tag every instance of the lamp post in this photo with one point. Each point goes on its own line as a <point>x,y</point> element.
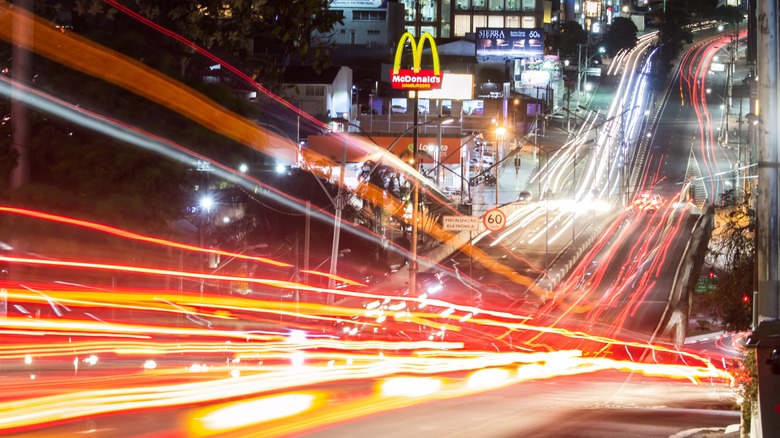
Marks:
<point>546,206</point>
<point>580,71</point>
<point>339,204</point>
<point>205,204</point>
<point>500,131</point>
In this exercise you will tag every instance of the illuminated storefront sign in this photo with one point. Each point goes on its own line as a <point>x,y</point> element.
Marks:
<point>415,78</point>
<point>453,86</point>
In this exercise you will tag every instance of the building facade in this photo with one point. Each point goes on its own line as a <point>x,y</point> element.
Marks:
<point>381,22</point>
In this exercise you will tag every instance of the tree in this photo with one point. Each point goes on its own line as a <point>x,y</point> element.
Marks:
<point>732,15</point>
<point>572,35</point>
<point>673,34</point>
<point>621,35</point>
<point>292,30</point>
<point>701,8</point>
<point>733,249</point>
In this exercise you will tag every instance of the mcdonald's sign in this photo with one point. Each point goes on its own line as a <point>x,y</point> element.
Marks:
<point>416,79</point>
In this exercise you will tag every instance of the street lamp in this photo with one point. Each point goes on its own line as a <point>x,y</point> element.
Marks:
<point>205,204</point>
<point>580,71</point>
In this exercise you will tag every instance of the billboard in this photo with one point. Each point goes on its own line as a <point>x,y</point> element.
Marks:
<point>366,4</point>
<point>509,42</point>
<point>416,78</point>
<point>453,86</point>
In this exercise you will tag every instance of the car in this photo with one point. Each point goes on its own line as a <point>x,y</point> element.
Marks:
<point>524,196</point>
<point>648,202</point>
<point>398,109</point>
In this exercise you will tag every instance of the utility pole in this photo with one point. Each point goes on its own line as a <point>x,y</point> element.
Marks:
<point>21,72</point>
<point>416,160</point>
<point>334,254</point>
<point>415,203</point>
<point>766,336</point>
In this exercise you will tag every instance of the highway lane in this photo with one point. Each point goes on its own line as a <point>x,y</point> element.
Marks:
<point>602,404</point>
<point>582,182</point>
<point>634,296</point>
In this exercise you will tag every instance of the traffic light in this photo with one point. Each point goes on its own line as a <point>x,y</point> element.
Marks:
<point>745,298</point>
<point>712,274</point>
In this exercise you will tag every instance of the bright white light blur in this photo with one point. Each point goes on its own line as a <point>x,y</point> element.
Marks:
<point>243,168</point>
<point>206,202</point>
<point>280,168</point>
<point>198,368</point>
<point>91,360</point>
<point>488,377</point>
<point>381,319</point>
<point>297,359</point>
<point>588,86</point>
<point>409,386</point>
<point>225,220</point>
<point>296,336</point>
<point>28,359</point>
<point>529,371</point>
<point>150,364</point>
<point>397,307</point>
<point>245,413</point>
<point>234,373</point>
<point>435,288</point>
<point>447,312</point>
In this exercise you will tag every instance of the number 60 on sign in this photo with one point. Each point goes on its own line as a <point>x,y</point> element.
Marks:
<point>494,220</point>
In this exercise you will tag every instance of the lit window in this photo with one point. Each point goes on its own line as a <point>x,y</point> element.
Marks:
<point>462,25</point>
<point>369,15</point>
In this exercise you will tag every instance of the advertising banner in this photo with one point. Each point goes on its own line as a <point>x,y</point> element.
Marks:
<point>509,42</point>
<point>416,78</point>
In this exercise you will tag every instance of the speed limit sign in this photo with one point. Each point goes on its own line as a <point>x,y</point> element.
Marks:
<point>494,220</point>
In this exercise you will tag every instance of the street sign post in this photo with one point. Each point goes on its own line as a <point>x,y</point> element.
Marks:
<point>494,220</point>
<point>460,223</point>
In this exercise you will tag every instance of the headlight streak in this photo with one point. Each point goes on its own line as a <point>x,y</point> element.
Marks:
<point>133,236</point>
<point>258,347</point>
<point>204,365</point>
<point>125,72</point>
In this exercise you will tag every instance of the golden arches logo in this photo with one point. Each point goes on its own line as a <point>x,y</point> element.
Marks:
<point>416,79</point>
